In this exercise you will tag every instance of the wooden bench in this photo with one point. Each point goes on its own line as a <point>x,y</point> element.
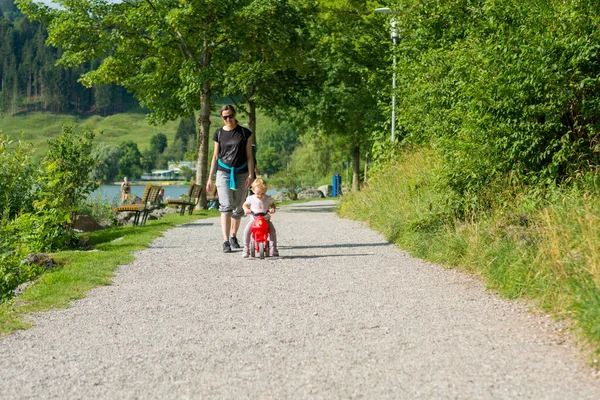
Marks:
<point>193,197</point>
<point>150,201</point>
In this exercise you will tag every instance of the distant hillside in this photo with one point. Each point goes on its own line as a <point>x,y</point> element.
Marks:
<point>38,127</point>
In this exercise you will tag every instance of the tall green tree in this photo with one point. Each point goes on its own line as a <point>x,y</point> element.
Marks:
<point>268,62</point>
<point>167,53</point>
<point>185,137</point>
<point>130,162</point>
<point>9,10</point>
<point>158,143</point>
<point>348,86</point>
<point>501,88</point>
<point>275,148</point>
<point>108,157</point>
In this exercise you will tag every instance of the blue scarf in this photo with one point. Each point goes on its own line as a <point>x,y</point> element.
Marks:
<point>232,171</point>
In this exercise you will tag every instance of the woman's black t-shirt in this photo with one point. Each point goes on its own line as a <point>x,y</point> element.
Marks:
<point>232,147</point>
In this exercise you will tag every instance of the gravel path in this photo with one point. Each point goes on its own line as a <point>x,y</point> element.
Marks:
<point>342,314</point>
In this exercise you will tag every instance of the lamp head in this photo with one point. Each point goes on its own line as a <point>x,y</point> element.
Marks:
<point>383,10</point>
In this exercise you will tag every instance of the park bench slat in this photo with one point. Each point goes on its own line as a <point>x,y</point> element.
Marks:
<point>193,193</point>
<point>149,203</point>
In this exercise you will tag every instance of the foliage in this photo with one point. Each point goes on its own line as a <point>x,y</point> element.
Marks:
<point>275,147</point>
<point>348,77</point>
<point>54,193</point>
<point>287,180</point>
<point>270,61</point>
<point>185,143</point>
<point>108,157</point>
<point>16,177</point>
<point>130,163</point>
<point>31,81</point>
<point>64,184</point>
<point>100,209</point>
<point>317,158</point>
<point>16,196</point>
<point>158,143</point>
<point>169,54</point>
<point>502,88</point>
<point>187,173</point>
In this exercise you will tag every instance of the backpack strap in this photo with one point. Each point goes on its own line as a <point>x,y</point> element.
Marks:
<point>219,135</point>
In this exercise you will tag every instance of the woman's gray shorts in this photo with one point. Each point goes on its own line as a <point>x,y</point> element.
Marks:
<point>231,200</point>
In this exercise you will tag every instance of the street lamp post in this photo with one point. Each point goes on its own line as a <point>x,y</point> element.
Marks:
<point>394,40</point>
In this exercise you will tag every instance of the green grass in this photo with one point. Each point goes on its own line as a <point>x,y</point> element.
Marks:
<point>545,250</point>
<point>39,127</point>
<point>81,271</point>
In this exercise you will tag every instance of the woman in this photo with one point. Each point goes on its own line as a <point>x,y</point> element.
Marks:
<point>232,160</point>
<point>125,189</point>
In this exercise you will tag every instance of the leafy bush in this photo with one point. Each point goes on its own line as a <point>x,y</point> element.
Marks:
<point>505,89</point>
<point>64,184</point>
<point>41,201</point>
<point>100,209</point>
<point>16,177</point>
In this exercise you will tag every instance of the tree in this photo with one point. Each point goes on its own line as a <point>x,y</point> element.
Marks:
<point>103,98</point>
<point>107,169</point>
<point>130,163</point>
<point>17,177</point>
<point>9,10</point>
<point>268,160</point>
<point>275,148</point>
<point>185,138</point>
<point>343,100</point>
<point>158,143</point>
<point>269,61</point>
<point>167,53</point>
<point>501,88</point>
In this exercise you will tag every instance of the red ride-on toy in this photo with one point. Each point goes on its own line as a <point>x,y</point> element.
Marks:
<point>259,237</point>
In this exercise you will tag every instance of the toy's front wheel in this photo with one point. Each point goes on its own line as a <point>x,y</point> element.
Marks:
<point>252,248</point>
<point>261,249</point>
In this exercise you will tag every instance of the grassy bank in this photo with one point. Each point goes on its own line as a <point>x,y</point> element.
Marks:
<point>39,127</point>
<point>81,271</point>
<point>543,248</point>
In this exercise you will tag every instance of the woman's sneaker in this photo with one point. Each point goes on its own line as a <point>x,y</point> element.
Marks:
<point>274,252</point>
<point>226,247</point>
<point>246,251</point>
<point>234,242</point>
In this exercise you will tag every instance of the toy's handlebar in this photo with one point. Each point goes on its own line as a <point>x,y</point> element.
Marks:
<point>262,214</point>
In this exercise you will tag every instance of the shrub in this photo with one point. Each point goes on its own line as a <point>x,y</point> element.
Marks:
<point>41,201</point>
<point>16,177</point>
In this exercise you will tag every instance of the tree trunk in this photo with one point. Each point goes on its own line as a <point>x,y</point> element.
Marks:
<point>252,117</point>
<point>204,121</point>
<point>366,167</point>
<point>355,168</point>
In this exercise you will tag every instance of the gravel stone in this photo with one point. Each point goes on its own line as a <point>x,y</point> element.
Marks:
<point>341,314</point>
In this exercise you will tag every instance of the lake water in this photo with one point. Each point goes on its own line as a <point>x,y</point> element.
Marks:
<point>111,192</point>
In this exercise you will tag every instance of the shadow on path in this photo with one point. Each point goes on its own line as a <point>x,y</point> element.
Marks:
<point>312,210</point>
<point>337,246</point>
<point>194,225</point>
<point>323,256</point>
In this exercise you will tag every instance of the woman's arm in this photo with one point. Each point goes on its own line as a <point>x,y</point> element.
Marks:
<point>213,165</point>
<point>250,163</point>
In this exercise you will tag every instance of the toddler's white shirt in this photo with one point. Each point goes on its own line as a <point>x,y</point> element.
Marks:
<point>259,206</point>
